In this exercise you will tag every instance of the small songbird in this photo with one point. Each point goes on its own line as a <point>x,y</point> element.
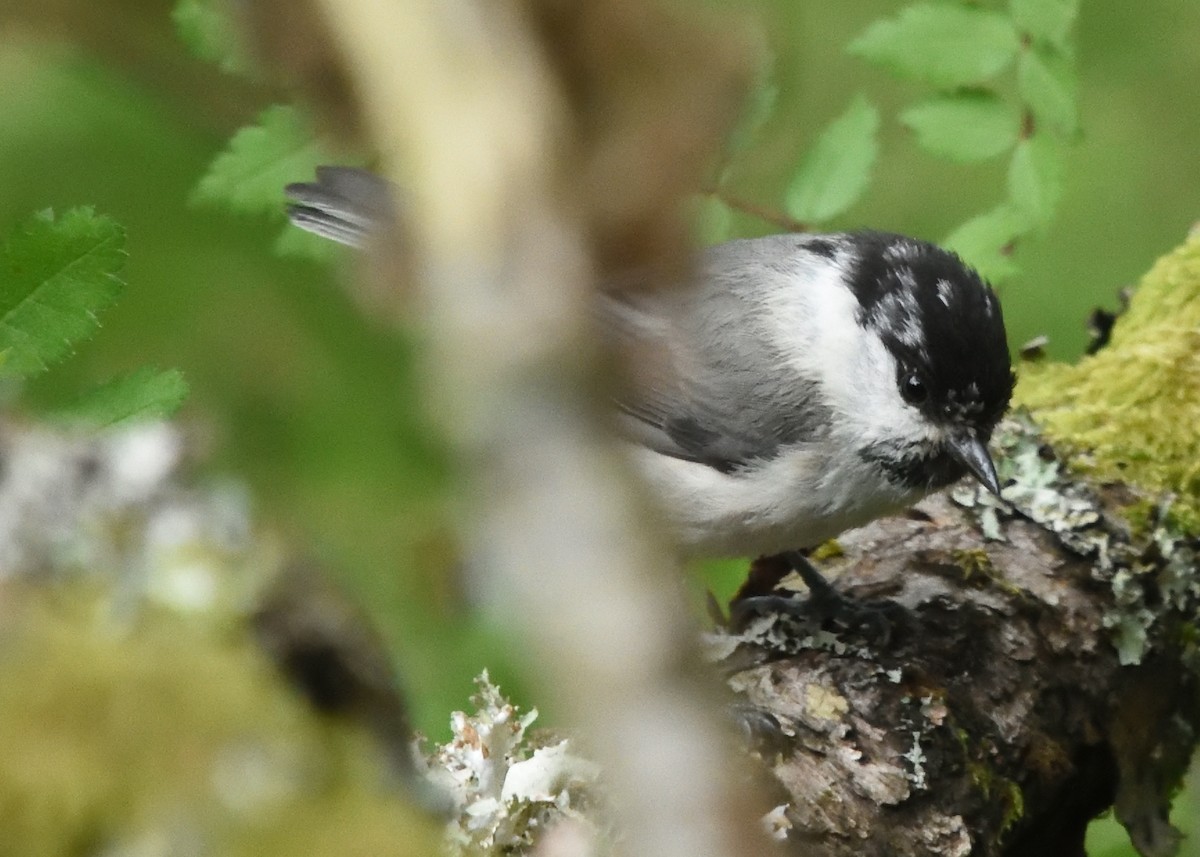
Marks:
<point>800,386</point>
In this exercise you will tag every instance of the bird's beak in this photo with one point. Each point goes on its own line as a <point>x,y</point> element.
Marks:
<point>973,454</point>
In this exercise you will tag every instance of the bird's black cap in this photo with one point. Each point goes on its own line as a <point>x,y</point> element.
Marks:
<point>942,323</point>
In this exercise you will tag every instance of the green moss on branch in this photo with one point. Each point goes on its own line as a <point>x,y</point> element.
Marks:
<point>1131,412</point>
<point>173,736</point>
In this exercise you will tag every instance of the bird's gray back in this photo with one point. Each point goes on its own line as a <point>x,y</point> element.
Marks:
<point>719,389</point>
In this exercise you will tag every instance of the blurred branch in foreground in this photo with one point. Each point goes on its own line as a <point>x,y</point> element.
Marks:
<point>541,147</point>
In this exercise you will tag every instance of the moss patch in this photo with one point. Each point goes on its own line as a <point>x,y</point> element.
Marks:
<point>164,735</point>
<point>825,551</point>
<point>974,563</point>
<point>1132,411</point>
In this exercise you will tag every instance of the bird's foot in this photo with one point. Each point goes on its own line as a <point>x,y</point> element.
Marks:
<point>824,607</point>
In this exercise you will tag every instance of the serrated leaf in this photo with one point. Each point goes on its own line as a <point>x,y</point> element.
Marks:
<point>835,172</point>
<point>145,394</point>
<point>209,31</point>
<point>56,276</point>
<point>942,44</point>
<point>985,242</point>
<point>249,176</point>
<point>1045,20</point>
<point>1046,84</point>
<point>965,127</point>
<point>1035,178</point>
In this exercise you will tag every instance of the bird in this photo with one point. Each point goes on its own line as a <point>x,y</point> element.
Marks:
<point>797,386</point>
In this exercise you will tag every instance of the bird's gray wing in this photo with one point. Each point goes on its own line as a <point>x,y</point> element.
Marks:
<point>708,384</point>
<point>344,204</point>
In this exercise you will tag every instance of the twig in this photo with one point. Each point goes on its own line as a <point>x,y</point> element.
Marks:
<point>762,212</point>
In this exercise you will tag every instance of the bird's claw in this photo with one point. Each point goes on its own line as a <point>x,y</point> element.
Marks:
<point>874,621</point>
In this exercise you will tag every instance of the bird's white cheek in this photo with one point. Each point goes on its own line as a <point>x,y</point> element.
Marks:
<point>870,406</point>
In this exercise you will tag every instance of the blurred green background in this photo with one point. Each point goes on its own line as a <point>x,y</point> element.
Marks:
<point>321,411</point>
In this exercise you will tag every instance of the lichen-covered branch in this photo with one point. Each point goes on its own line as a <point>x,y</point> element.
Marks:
<point>1045,666</point>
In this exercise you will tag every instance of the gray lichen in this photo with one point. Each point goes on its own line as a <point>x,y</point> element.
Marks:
<point>1140,566</point>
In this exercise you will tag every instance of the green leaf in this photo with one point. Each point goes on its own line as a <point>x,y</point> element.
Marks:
<point>249,176</point>
<point>968,126</point>
<point>1045,20</point>
<point>942,44</point>
<point>145,394</point>
<point>56,277</point>
<point>1046,84</point>
<point>986,241</point>
<point>1035,178</point>
<point>209,31</point>
<point>836,170</point>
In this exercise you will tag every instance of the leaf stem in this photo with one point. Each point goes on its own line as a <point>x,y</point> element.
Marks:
<point>762,212</point>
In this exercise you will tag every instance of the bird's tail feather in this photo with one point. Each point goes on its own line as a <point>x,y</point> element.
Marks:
<point>344,204</point>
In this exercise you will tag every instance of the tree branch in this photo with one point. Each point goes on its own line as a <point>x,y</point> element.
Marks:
<point>474,115</point>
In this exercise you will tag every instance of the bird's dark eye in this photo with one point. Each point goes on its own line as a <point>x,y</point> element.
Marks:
<point>913,389</point>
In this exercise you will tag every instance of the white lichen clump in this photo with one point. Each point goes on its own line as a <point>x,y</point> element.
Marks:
<point>507,789</point>
<point>75,504</point>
